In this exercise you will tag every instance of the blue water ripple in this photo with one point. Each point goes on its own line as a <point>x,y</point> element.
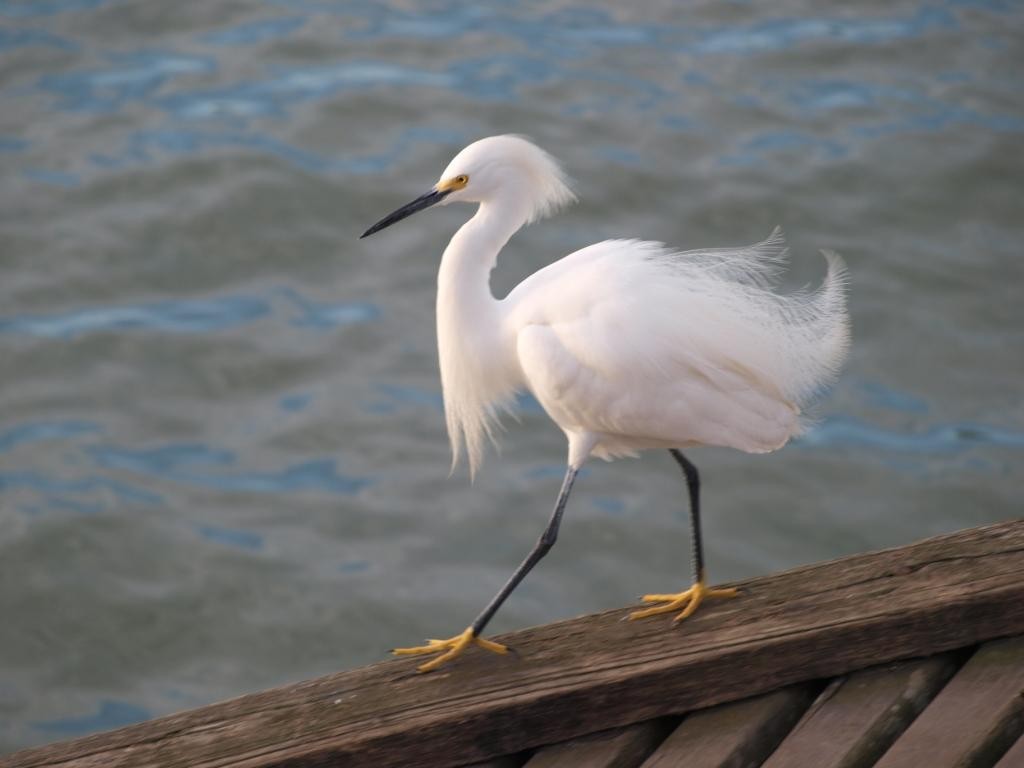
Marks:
<point>455,21</point>
<point>913,107</point>
<point>324,315</point>
<point>177,316</point>
<point>192,315</point>
<point>619,155</point>
<point>13,144</point>
<point>940,439</point>
<point>314,475</point>
<point>36,431</point>
<point>37,38</point>
<point>316,82</point>
<point>993,6</point>
<point>612,34</point>
<point>141,145</point>
<point>270,96</point>
<point>35,8</point>
<point>880,395</point>
<point>404,395</point>
<point>164,460</point>
<point>261,31</point>
<point>787,33</point>
<point>112,714</point>
<point>49,485</point>
<point>825,95</point>
<point>51,177</point>
<point>229,102</point>
<point>939,118</point>
<point>770,141</point>
<point>410,26</point>
<point>336,315</point>
<point>74,505</point>
<point>500,77</point>
<point>249,541</point>
<point>294,403</point>
<point>753,150</point>
<point>561,34</point>
<point>183,141</point>
<point>616,93</point>
<point>133,77</point>
<point>609,504</point>
<point>191,463</point>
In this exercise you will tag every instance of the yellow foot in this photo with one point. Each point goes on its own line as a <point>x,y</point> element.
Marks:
<point>452,647</point>
<point>688,601</point>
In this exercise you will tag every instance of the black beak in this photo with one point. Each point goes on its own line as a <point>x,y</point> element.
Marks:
<point>421,202</point>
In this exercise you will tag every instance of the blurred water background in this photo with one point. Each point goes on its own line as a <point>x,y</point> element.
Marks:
<point>222,456</point>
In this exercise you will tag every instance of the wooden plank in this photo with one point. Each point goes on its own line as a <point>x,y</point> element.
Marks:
<point>740,733</point>
<point>858,717</point>
<point>975,718</point>
<point>1014,758</point>
<point>599,672</point>
<point>618,748</point>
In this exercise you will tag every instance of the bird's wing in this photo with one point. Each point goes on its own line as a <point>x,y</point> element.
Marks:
<point>613,340</point>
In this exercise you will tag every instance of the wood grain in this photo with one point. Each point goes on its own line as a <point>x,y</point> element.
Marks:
<point>598,672</point>
<point>859,716</point>
<point>733,735</point>
<point>975,718</point>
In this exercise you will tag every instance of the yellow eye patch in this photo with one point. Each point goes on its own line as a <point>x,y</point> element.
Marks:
<point>453,184</point>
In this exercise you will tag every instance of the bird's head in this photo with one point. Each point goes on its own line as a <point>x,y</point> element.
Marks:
<point>490,169</point>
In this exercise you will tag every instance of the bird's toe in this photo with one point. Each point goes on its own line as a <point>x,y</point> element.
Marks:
<point>449,648</point>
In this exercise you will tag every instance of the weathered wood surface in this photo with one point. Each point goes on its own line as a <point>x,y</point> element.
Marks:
<point>619,748</point>
<point>598,672</point>
<point>974,719</point>
<point>736,734</point>
<point>858,717</point>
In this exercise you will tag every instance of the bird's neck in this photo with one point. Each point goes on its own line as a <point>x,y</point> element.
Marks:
<point>464,279</point>
<point>473,355</point>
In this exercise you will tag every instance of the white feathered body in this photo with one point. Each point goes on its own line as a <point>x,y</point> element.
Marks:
<point>629,346</point>
<point>645,348</point>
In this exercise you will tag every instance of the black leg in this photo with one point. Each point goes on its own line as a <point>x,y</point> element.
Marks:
<point>546,541</point>
<point>693,486</point>
<point>686,602</point>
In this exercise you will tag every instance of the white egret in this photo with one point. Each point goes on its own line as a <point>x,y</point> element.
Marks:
<point>625,344</point>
